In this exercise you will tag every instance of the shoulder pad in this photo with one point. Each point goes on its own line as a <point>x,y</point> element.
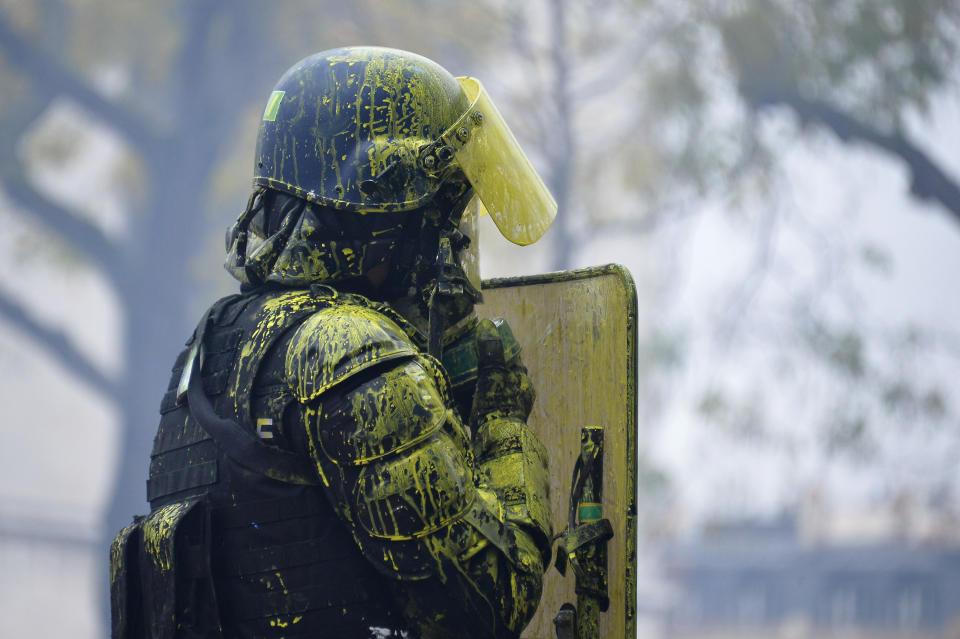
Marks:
<point>337,342</point>
<point>264,321</point>
<point>382,416</point>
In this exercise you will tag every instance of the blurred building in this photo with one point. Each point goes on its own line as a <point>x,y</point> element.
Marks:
<point>769,580</point>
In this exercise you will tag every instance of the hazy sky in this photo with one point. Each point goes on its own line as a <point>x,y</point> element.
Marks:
<point>857,200</point>
<point>59,438</point>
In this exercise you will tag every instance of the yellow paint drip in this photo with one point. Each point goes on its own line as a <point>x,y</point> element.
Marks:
<point>396,461</point>
<point>338,342</point>
<point>158,530</point>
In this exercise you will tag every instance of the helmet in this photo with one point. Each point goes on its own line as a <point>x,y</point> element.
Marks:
<point>368,156</point>
<point>370,129</point>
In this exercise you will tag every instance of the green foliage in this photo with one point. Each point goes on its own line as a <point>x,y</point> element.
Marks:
<point>842,349</point>
<point>740,417</point>
<point>712,404</point>
<point>849,435</point>
<point>878,59</point>
<point>877,259</point>
<point>662,349</point>
<point>913,405</point>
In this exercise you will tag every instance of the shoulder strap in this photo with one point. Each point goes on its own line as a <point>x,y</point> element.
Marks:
<point>237,443</point>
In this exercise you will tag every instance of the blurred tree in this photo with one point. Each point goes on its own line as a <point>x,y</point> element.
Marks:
<point>636,110</point>
<point>178,86</point>
<point>186,77</point>
<point>678,86</point>
<point>858,68</point>
<point>862,389</point>
<point>646,109</point>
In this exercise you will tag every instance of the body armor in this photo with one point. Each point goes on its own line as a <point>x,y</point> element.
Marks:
<point>314,474</point>
<point>313,478</point>
<point>266,538</point>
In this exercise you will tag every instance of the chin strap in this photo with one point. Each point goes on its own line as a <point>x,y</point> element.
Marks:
<point>237,233</point>
<point>449,292</point>
<point>443,289</point>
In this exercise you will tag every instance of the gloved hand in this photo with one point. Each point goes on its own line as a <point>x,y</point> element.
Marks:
<point>511,459</point>
<point>504,389</point>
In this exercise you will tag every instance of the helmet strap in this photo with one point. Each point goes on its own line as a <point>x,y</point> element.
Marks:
<point>237,234</point>
<point>449,294</point>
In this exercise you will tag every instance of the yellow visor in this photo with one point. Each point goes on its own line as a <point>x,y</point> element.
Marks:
<point>469,225</point>
<point>502,177</point>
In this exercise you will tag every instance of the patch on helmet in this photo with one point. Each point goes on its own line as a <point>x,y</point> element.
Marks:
<point>273,105</point>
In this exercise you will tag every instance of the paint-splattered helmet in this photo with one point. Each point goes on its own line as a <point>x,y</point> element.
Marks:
<point>351,129</point>
<point>356,143</point>
<point>378,130</point>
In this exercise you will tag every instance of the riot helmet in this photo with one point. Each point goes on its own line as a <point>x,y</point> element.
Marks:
<point>370,152</point>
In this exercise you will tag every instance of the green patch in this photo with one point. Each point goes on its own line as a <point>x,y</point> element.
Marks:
<point>273,105</point>
<point>589,512</point>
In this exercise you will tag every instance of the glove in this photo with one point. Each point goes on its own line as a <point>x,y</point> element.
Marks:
<point>512,461</point>
<point>504,389</point>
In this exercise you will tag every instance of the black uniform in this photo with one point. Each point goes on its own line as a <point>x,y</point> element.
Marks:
<point>326,413</point>
<point>312,474</point>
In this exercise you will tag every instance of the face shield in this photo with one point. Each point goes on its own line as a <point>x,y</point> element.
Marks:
<point>505,182</point>
<point>470,226</point>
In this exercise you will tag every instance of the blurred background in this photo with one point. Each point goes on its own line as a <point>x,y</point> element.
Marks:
<point>782,179</point>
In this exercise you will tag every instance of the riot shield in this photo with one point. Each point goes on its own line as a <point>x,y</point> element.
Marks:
<point>578,334</point>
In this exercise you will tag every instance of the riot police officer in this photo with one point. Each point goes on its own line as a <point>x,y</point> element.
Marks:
<point>342,450</point>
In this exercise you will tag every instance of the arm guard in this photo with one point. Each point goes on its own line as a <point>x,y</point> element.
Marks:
<point>513,463</point>
<point>463,553</point>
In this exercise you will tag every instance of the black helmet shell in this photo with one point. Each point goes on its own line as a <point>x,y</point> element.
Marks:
<point>357,129</point>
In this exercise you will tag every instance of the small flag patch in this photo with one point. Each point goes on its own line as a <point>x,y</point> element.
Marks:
<point>589,512</point>
<point>273,105</point>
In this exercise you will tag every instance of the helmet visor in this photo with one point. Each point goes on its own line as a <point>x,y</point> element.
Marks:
<point>470,226</point>
<point>502,177</point>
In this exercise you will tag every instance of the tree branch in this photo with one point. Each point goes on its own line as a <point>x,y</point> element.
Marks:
<point>564,146</point>
<point>36,63</point>
<point>73,230</point>
<point>927,180</point>
<point>21,115</point>
<point>743,295</point>
<point>59,345</point>
<point>669,213</point>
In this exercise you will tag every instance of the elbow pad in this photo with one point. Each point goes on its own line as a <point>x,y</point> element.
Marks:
<point>399,471</point>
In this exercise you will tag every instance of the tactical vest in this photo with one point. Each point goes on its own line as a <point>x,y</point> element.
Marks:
<point>241,540</point>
